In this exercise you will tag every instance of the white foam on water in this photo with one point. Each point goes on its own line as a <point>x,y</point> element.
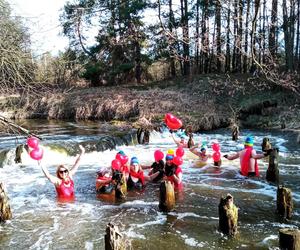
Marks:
<point>270,237</point>
<point>183,215</point>
<point>88,245</point>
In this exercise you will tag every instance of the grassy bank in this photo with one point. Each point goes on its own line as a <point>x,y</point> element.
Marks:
<point>205,103</point>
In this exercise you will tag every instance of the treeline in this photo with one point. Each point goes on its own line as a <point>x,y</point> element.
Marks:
<point>193,37</point>
<point>180,37</point>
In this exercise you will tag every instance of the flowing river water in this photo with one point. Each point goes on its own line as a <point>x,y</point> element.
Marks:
<point>41,222</point>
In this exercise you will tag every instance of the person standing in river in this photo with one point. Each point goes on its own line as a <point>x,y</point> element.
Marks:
<point>248,158</point>
<point>63,181</point>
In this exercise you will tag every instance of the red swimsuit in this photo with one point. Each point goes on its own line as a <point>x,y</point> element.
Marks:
<point>65,189</point>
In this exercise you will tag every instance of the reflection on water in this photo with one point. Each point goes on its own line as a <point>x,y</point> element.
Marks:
<point>41,222</point>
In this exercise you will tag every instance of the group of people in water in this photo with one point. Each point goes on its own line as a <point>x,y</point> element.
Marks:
<point>130,173</point>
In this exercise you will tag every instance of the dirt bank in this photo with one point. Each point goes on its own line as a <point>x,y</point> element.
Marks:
<point>205,103</point>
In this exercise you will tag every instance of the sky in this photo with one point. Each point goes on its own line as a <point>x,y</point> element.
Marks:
<point>42,18</point>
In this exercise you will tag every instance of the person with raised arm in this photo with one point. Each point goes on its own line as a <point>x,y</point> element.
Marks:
<point>248,158</point>
<point>63,181</point>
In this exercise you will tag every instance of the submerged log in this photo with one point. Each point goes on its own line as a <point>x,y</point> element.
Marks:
<point>5,213</point>
<point>166,196</point>
<point>228,216</point>
<point>266,145</point>
<point>284,202</point>
<point>272,173</point>
<point>114,240</point>
<point>289,239</point>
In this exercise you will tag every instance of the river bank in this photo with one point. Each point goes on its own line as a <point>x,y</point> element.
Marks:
<point>205,103</point>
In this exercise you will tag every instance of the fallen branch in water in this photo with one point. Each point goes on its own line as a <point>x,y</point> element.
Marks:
<point>14,127</point>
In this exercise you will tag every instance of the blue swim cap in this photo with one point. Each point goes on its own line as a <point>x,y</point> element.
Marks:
<point>134,160</point>
<point>169,157</point>
<point>121,152</point>
<point>249,141</point>
<point>202,149</point>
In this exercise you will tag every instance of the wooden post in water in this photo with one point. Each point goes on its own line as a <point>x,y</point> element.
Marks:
<point>235,132</point>
<point>272,173</point>
<point>166,196</point>
<point>289,239</point>
<point>284,202</point>
<point>19,151</point>
<point>5,213</point>
<point>266,145</point>
<point>114,240</point>
<point>228,216</point>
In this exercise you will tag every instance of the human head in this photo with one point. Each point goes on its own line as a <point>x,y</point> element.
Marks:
<point>249,141</point>
<point>62,172</point>
<point>134,164</point>
<point>102,172</point>
<point>121,152</point>
<point>169,159</point>
<point>203,150</point>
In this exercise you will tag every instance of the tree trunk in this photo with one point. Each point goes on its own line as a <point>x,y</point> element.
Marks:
<point>197,56</point>
<point>289,239</point>
<point>284,202</point>
<point>5,213</point>
<point>235,33</point>
<point>240,37</point>
<point>228,216</point>
<point>287,37</point>
<point>298,35</point>
<point>218,24</point>
<point>245,61</point>
<point>273,29</point>
<point>227,62</point>
<point>253,34</point>
<point>186,39</point>
<point>172,44</point>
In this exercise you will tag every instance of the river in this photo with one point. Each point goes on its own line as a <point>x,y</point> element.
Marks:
<point>41,222</point>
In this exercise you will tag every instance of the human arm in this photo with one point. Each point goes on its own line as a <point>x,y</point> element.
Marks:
<point>104,181</point>
<point>177,178</point>
<point>76,164</point>
<point>254,155</point>
<point>145,167</point>
<point>152,176</point>
<point>233,156</point>
<point>53,179</point>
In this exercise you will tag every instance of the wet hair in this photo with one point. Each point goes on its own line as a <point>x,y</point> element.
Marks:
<point>58,169</point>
<point>102,172</point>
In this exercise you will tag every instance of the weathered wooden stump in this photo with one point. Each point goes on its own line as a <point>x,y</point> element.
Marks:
<point>272,173</point>
<point>282,123</point>
<point>143,136</point>
<point>228,216</point>
<point>191,142</point>
<point>235,132</point>
<point>114,240</point>
<point>284,202</point>
<point>5,213</point>
<point>266,145</point>
<point>289,239</point>
<point>19,151</point>
<point>166,196</point>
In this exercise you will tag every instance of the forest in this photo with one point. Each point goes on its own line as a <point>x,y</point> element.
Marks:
<point>139,43</point>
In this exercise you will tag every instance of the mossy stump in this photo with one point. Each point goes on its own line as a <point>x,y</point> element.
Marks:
<point>5,212</point>
<point>235,132</point>
<point>289,239</point>
<point>228,216</point>
<point>143,136</point>
<point>272,173</point>
<point>284,202</point>
<point>114,240</point>
<point>166,196</point>
<point>266,145</point>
